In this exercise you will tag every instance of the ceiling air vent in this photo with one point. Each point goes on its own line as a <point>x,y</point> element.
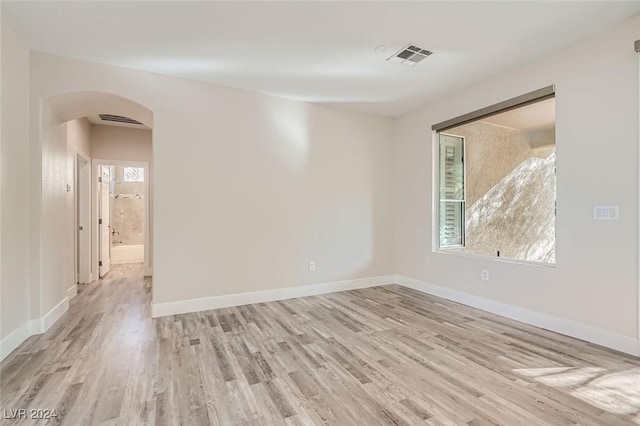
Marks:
<point>409,55</point>
<point>118,119</point>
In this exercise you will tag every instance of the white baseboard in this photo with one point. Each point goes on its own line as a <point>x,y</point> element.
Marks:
<point>87,281</point>
<point>239,299</point>
<point>13,340</point>
<point>72,292</point>
<point>588,333</point>
<point>33,327</point>
<point>43,324</point>
<point>567,327</point>
<point>148,272</point>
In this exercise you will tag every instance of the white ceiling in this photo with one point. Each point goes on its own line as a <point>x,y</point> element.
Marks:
<point>315,51</point>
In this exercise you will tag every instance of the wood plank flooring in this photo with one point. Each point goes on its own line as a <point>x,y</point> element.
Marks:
<point>384,355</point>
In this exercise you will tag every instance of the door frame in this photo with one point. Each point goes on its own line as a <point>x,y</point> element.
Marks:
<point>636,46</point>
<point>95,240</point>
<point>82,194</point>
<point>104,264</point>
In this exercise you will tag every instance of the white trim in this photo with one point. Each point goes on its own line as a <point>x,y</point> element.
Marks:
<point>453,252</point>
<point>76,197</point>
<point>148,272</point>
<point>14,339</point>
<point>44,323</point>
<point>559,325</point>
<point>83,155</point>
<point>33,327</point>
<point>435,190</point>
<point>72,292</point>
<point>638,212</point>
<point>239,299</point>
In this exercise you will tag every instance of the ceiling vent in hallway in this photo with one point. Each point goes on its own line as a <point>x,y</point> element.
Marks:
<point>118,119</point>
<point>409,55</point>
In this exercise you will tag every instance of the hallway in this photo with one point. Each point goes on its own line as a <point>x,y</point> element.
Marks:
<point>108,326</point>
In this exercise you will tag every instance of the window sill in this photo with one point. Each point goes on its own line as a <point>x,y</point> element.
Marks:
<point>453,252</point>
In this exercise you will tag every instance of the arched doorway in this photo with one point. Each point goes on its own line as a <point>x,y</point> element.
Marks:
<point>63,192</point>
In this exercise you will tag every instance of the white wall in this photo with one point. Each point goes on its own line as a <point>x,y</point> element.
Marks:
<point>247,187</point>
<point>595,281</point>
<point>14,211</point>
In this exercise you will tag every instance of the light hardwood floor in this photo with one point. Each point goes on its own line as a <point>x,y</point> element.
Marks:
<point>384,355</point>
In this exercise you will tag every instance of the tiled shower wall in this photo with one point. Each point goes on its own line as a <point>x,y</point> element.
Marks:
<point>127,221</point>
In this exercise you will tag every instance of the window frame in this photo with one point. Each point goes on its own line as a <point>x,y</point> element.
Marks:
<point>464,195</point>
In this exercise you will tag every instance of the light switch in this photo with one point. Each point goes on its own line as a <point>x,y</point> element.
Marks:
<point>68,187</point>
<point>606,212</point>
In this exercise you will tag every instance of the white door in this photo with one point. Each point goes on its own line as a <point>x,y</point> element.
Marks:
<point>84,218</point>
<point>104,261</point>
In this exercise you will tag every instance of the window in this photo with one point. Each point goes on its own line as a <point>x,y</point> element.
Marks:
<point>496,180</point>
<point>452,206</point>
<point>133,174</point>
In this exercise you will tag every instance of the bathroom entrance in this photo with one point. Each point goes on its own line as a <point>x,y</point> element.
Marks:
<point>122,195</point>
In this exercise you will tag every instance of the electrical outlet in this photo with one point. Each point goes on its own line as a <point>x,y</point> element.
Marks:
<point>484,275</point>
<point>312,265</point>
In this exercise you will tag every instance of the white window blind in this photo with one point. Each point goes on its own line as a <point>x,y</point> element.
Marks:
<point>452,200</point>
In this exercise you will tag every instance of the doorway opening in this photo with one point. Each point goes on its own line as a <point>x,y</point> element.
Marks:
<point>74,129</point>
<point>122,213</point>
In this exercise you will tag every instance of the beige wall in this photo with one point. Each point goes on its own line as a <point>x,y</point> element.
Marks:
<point>79,136</point>
<point>56,267</point>
<point>595,280</point>
<point>247,187</point>
<point>14,210</point>
<point>121,144</point>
